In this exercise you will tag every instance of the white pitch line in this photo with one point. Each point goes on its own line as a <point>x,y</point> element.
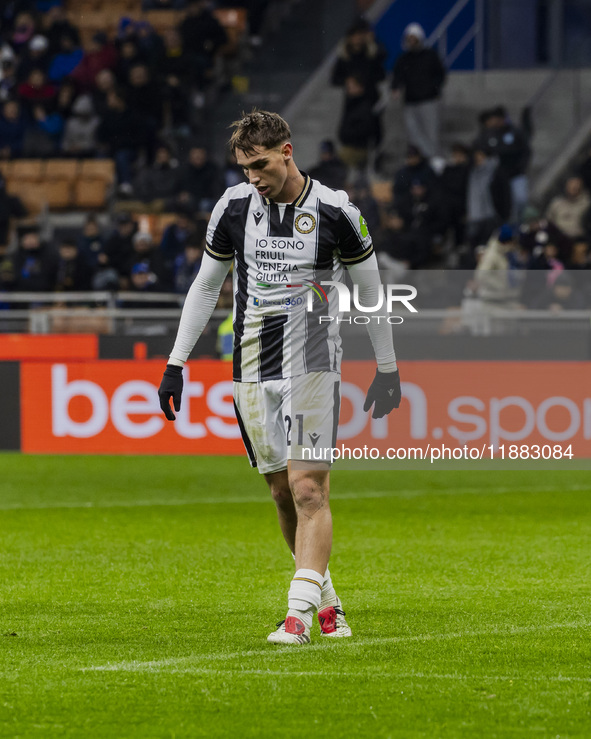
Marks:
<point>366,495</point>
<point>160,665</point>
<point>376,673</point>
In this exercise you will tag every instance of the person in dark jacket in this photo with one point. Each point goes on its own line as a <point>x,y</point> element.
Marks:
<point>35,263</point>
<point>509,144</point>
<point>488,198</point>
<point>123,134</point>
<point>201,181</point>
<point>360,55</point>
<point>73,271</point>
<point>420,75</point>
<point>454,188</point>
<point>330,170</point>
<point>204,35</point>
<point>416,167</point>
<point>359,129</point>
<point>13,126</point>
<point>10,207</point>
<point>159,183</point>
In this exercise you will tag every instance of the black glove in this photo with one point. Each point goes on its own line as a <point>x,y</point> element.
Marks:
<point>171,387</point>
<point>384,391</point>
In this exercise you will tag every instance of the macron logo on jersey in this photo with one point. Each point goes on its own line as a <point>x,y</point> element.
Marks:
<point>257,217</point>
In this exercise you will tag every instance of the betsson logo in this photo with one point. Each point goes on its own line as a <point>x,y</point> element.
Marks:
<point>479,420</point>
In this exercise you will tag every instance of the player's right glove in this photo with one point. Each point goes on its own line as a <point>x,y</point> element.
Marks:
<point>384,391</point>
<point>171,387</point>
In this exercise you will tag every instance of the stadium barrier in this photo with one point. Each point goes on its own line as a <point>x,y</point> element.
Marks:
<point>82,404</point>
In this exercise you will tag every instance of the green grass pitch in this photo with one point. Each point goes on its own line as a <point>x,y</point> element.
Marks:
<point>136,595</point>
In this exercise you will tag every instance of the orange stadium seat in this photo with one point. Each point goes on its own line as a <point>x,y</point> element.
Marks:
<point>234,21</point>
<point>90,193</point>
<point>382,192</point>
<point>99,169</point>
<point>162,20</point>
<point>29,170</point>
<point>61,169</point>
<point>5,168</point>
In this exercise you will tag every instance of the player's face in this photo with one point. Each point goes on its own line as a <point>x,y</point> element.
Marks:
<point>266,169</point>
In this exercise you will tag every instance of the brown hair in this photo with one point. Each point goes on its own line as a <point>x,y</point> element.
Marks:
<point>259,128</point>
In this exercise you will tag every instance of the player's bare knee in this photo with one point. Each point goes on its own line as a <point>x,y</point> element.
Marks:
<point>308,495</point>
<point>281,495</point>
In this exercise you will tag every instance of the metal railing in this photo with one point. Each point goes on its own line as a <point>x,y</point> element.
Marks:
<point>475,33</point>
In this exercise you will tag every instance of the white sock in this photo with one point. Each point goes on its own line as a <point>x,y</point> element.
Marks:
<point>328,594</point>
<point>304,595</point>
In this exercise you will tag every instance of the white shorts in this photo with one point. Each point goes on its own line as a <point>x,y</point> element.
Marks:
<point>290,419</point>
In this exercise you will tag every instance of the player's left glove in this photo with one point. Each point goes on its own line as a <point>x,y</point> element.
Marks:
<point>171,387</point>
<point>384,391</point>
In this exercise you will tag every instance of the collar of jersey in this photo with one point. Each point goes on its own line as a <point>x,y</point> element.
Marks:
<point>301,198</point>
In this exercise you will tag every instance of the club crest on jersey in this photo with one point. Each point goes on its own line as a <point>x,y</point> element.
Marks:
<point>305,223</point>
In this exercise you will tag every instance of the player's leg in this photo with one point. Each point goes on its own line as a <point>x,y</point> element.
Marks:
<point>278,483</point>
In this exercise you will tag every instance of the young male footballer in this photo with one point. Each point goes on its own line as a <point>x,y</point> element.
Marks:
<point>285,233</point>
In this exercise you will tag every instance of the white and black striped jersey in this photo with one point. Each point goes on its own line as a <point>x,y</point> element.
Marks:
<point>281,252</point>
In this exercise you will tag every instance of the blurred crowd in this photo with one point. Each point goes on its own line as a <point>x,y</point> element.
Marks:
<point>133,96</point>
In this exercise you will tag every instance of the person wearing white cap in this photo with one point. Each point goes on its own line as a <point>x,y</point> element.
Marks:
<point>420,75</point>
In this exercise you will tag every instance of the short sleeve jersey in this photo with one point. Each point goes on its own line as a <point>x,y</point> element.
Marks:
<point>284,320</point>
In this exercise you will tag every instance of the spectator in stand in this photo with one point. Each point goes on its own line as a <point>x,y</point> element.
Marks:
<point>56,26</point>
<point>7,273</point>
<point>179,72</point>
<point>424,219</point>
<point>13,126</point>
<point>562,294</point>
<point>144,97</point>
<point>416,167</point>
<point>150,44</point>
<point>143,280</point>
<point>35,264</point>
<point>105,84</point>
<point>360,56</point>
<point>144,252</point>
<point>508,143</point>
<point>122,135</point>
<point>495,280</point>
<point>567,212</point>
<point>360,194</point>
<point>118,248</point>
<point>177,235</point>
<point>36,90</point>
<point>80,132</point>
<point>200,181</point>
<point>100,54</point>
<point>43,137</point>
<point>359,129</point>
<point>488,198</point>
<point>158,184</point>
<point>531,226</point>
<point>37,56</point>
<point>10,207</point>
<point>129,56</point>
<point>204,35</point>
<point>66,61</point>
<point>8,80</point>
<point>579,257</point>
<point>330,170</point>
<point>396,248</point>
<point>188,264</point>
<point>91,242</point>
<point>73,271</point>
<point>420,75</point>
<point>65,98</point>
<point>233,172</point>
<point>23,32</point>
<point>543,268</point>
<point>454,190</point>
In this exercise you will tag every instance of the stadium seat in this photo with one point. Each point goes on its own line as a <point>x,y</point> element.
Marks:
<point>61,169</point>
<point>29,170</point>
<point>90,193</point>
<point>163,20</point>
<point>5,168</point>
<point>99,169</point>
<point>57,193</point>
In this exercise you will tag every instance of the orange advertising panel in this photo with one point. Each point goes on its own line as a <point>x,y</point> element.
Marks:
<point>112,407</point>
<point>56,347</point>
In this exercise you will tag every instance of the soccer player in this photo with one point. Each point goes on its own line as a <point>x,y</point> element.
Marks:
<point>284,233</point>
